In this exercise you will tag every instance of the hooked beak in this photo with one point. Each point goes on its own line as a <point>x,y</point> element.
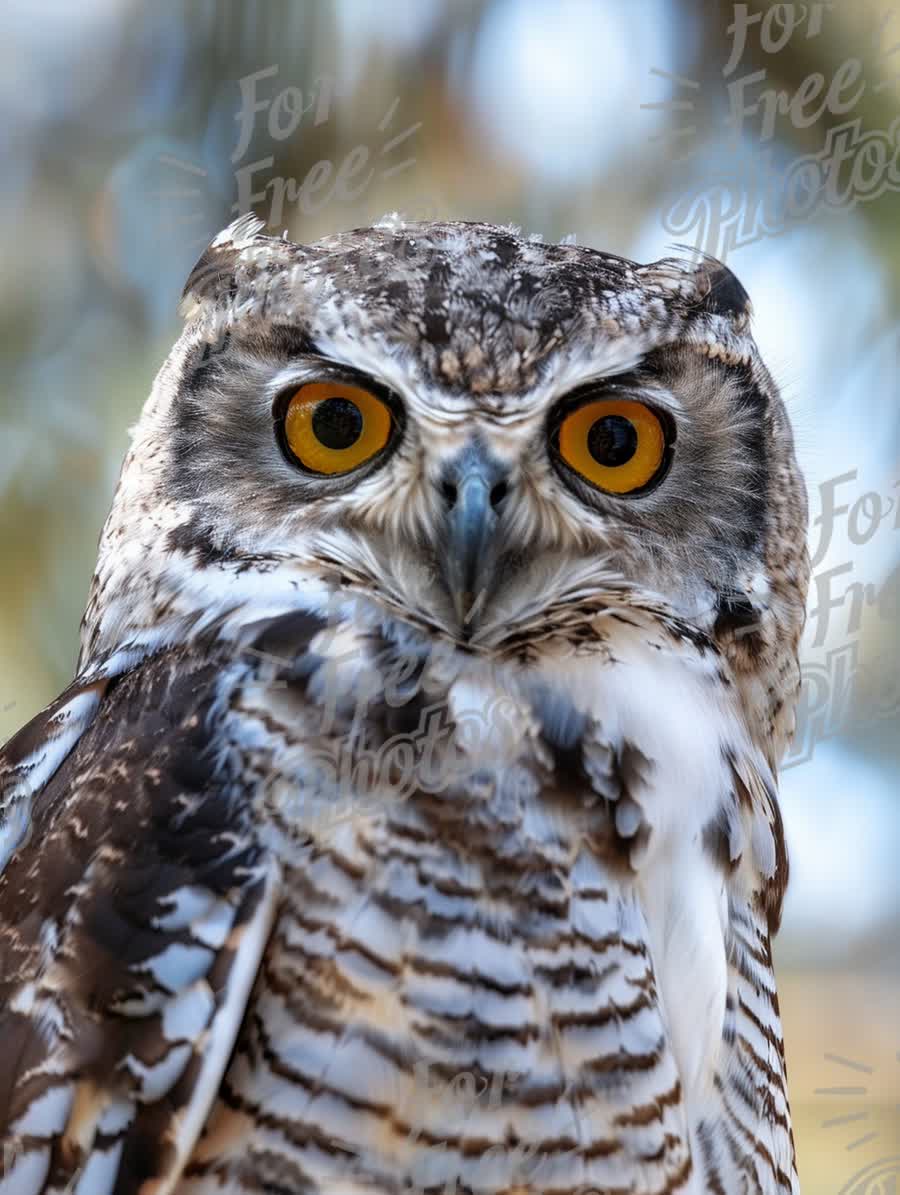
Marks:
<point>473,489</point>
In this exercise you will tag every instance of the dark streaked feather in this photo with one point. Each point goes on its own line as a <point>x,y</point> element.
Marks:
<point>33,754</point>
<point>142,891</point>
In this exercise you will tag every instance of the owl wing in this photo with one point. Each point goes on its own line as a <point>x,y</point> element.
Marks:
<point>745,1134</point>
<point>132,922</point>
<point>31,757</point>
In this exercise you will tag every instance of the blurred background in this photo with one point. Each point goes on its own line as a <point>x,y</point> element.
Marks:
<point>763,134</point>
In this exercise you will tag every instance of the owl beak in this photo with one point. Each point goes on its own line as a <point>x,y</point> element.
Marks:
<point>473,490</point>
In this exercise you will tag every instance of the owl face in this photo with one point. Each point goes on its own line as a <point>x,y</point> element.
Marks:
<point>476,431</point>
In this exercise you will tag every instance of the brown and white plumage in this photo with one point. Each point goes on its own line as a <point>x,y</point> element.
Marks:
<point>336,882</point>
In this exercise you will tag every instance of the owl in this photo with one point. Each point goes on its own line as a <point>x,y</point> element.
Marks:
<point>411,823</point>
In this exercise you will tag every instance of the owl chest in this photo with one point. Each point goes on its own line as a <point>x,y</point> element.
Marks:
<point>460,1014</point>
<point>486,963</point>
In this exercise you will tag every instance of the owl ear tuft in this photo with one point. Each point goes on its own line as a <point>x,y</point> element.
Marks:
<point>214,275</point>
<point>240,232</point>
<point>724,294</point>
<point>702,283</point>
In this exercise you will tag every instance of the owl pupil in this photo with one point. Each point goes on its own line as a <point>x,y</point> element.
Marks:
<point>612,440</point>
<point>337,423</point>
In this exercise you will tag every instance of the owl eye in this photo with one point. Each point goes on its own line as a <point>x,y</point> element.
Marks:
<point>616,444</point>
<point>334,427</point>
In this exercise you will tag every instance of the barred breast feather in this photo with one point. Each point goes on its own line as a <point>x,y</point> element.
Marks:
<point>333,909</point>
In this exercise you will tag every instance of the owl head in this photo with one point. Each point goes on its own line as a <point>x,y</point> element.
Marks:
<point>472,432</point>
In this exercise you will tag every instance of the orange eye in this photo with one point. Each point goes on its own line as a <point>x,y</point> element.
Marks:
<point>617,444</point>
<point>333,427</point>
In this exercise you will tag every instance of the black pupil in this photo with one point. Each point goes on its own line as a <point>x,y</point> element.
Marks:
<point>612,440</point>
<point>337,423</point>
